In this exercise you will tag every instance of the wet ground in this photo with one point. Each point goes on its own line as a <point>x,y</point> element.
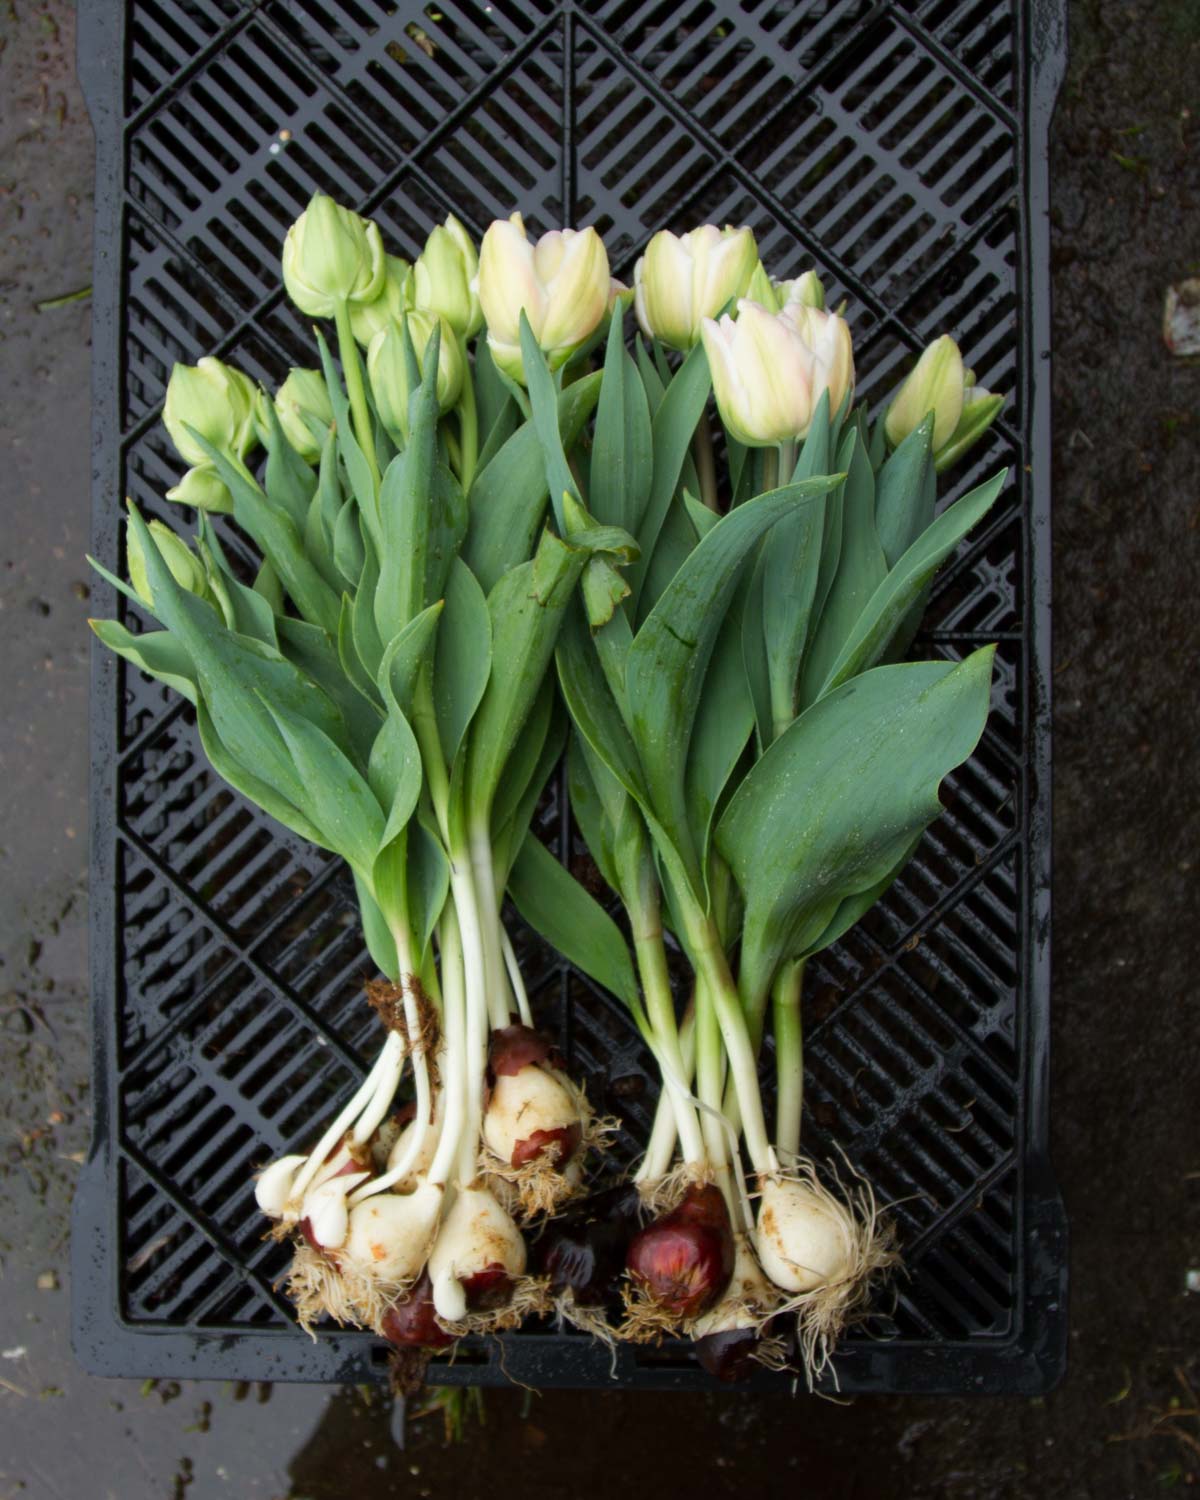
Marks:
<point>1126,163</point>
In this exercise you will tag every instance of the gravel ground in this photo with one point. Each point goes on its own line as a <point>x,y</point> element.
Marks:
<point>1126,165</point>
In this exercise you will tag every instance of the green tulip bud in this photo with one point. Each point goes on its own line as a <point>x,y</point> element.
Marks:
<point>980,410</point>
<point>806,289</point>
<point>561,284</point>
<point>186,568</point>
<point>936,385</point>
<point>443,278</point>
<point>387,368</point>
<point>683,279</point>
<point>330,256</point>
<point>763,291</point>
<point>394,300</point>
<point>303,393</point>
<point>203,487</point>
<point>216,400</point>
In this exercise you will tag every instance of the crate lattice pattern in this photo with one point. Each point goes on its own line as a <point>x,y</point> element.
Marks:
<point>878,142</point>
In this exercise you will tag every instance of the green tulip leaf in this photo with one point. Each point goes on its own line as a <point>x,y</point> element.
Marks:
<point>463,659</point>
<point>669,657</point>
<point>555,905</point>
<point>621,459</point>
<point>837,801</point>
<point>508,496</point>
<point>888,606</point>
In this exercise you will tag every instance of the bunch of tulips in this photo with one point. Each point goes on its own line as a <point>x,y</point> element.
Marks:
<point>494,525</point>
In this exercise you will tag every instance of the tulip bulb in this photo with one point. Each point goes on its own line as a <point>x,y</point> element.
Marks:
<point>532,1114</point>
<point>684,1260</point>
<point>479,1246</point>
<point>326,1215</point>
<point>804,1238</point>
<point>390,1233</point>
<point>411,1321</point>
<point>274,1185</point>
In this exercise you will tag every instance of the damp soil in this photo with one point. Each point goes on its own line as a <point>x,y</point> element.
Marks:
<point>1126,1068</point>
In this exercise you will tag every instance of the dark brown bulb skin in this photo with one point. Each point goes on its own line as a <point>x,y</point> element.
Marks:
<point>511,1048</point>
<point>488,1289</point>
<point>558,1145</point>
<point>684,1260</point>
<point>728,1355</point>
<point>583,1251</point>
<point>411,1323</point>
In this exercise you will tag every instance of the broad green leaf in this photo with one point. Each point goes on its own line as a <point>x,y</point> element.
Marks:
<point>853,908</point>
<point>621,461</point>
<point>669,657</point>
<point>672,430</point>
<point>526,609</point>
<point>594,710</point>
<point>652,382</point>
<point>510,827</point>
<point>289,481</point>
<point>887,607</point>
<point>791,561</point>
<point>320,525</point>
<point>243,780</point>
<point>380,943</point>
<point>336,797</point>
<point>157,652</point>
<point>495,409</point>
<point>358,470</point>
<point>279,540</point>
<point>245,609</point>
<point>588,807</point>
<point>861,568</point>
<point>724,721</point>
<point>351,663</point>
<point>235,674</point>
<point>404,658</point>
<point>428,882</point>
<point>555,905</point>
<point>905,492</point>
<point>677,540</point>
<point>315,654</point>
<point>268,587</point>
<point>367,640</point>
<point>838,799</point>
<point>524,762</point>
<point>508,497</point>
<point>463,658</point>
<point>413,491</point>
<point>543,402</point>
<point>394,773</point>
<point>348,553</point>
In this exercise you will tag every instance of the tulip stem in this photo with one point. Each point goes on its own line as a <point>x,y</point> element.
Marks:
<point>789,1057</point>
<point>468,426</point>
<point>770,469</point>
<point>352,370</point>
<point>706,466</point>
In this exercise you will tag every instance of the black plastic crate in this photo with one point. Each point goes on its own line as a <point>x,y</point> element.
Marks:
<point>901,148</point>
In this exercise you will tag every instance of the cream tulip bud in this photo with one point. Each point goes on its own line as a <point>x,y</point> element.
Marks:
<point>443,278</point>
<point>683,279</point>
<point>806,289</point>
<point>331,256</point>
<point>769,370</point>
<point>186,568</point>
<point>218,402</point>
<point>828,337</point>
<point>303,394</point>
<point>561,284</point>
<point>394,300</point>
<point>935,385</point>
<point>387,368</point>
